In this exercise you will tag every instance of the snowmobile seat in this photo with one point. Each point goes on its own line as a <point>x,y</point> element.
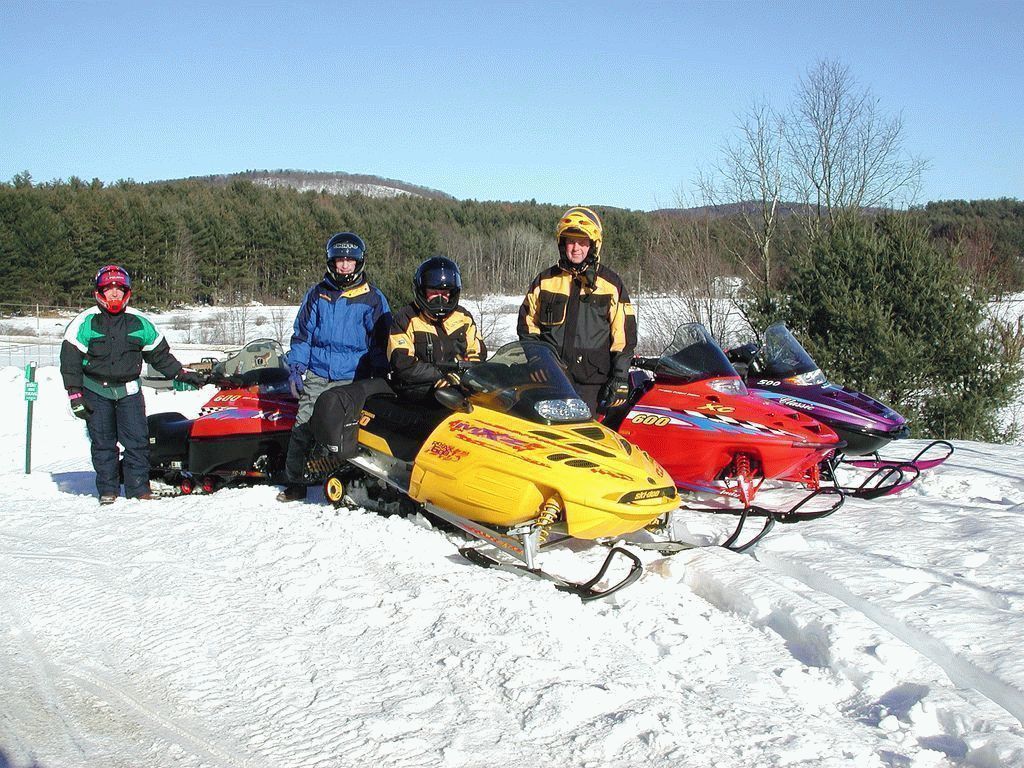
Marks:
<point>168,438</point>
<point>403,424</point>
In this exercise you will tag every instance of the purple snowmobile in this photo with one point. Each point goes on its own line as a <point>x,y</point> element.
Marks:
<point>781,370</point>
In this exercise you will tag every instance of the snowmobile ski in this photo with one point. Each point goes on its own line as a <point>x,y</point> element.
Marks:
<point>793,514</point>
<point>585,591</point>
<point>918,462</point>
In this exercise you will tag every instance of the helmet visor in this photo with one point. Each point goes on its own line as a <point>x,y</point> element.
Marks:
<point>113,275</point>
<point>345,249</point>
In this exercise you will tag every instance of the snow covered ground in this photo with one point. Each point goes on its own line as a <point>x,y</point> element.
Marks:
<point>231,630</point>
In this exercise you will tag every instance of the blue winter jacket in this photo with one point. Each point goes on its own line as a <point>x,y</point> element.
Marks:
<point>342,334</point>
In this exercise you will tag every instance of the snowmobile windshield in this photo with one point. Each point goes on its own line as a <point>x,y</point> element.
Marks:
<point>261,362</point>
<point>525,378</point>
<point>693,355</point>
<point>781,356</point>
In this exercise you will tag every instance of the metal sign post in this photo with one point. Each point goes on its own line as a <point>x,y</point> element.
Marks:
<point>31,393</point>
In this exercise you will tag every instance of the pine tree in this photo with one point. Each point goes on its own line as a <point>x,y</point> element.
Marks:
<point>884,311</point>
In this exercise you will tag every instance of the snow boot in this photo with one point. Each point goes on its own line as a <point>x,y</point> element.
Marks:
<point>107,498</point>
<point>292,492</point>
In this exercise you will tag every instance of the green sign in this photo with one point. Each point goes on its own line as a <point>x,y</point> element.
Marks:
<point>31,390</point>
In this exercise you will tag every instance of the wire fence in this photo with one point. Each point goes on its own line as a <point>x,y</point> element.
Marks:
<point>31,333</point>
<point>20,354</point>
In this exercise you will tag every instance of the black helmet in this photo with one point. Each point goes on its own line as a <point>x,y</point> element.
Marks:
<point>438,273</point>
<point>346,245</point>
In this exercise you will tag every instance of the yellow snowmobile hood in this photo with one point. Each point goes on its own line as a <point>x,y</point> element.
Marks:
<point>494,468</point>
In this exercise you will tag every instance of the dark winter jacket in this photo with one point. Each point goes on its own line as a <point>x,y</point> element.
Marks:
<point>592,327</point>
<point>109,350</point>
<point>341,334</point>
<point>418,343</point>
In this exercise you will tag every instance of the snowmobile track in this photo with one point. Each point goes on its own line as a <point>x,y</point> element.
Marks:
<point>961,671</point>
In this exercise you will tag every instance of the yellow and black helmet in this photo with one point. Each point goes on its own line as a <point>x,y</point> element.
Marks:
<point>581,221</point>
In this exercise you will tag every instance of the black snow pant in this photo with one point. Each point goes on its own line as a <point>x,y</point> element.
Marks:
<point>119,421</point>
<point>588,394</point>
<point>302,432</point>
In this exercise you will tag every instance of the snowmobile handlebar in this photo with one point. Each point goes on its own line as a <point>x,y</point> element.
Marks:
<point>646,363</point>
<point>743,353</point>
<point>455,366</point>
<point>224,381</point>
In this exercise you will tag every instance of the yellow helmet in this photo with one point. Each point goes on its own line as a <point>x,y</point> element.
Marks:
<point>582,221</point>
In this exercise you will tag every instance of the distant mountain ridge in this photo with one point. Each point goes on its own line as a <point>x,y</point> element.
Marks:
<point>341,183</point>
<point>330,182</point>
<point>747,208</point>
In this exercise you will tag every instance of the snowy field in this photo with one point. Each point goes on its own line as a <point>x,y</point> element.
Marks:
<point>231,630</point>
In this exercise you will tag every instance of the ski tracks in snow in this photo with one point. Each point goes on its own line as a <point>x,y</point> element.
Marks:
<point>916,675</point>
<point>232,630</point>
<point>896,685</point>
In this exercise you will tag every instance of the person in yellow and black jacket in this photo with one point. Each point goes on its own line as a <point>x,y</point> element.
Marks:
<point>581,308</point>
<point>431,331</point>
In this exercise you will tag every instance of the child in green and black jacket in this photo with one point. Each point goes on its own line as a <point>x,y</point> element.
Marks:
<point>101,361</point>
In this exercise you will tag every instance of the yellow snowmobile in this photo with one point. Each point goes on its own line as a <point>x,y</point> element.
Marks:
<point>511,456</point>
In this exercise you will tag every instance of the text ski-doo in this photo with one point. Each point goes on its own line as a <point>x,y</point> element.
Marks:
<point>781,370</point>
<point>511,456</point>
<point>691,411</point>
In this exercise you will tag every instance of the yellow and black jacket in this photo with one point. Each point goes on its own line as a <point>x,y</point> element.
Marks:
<point>418,343</point>
<point>587,319</point>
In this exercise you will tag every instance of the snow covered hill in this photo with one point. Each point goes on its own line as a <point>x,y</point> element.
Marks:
<point>231,630</point>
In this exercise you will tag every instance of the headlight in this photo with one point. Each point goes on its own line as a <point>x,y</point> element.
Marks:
<point>728,386</point>
<point>807,379</point>
<point>569,409</point>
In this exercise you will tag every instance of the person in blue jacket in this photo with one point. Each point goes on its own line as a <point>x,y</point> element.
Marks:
<point>341,335</point>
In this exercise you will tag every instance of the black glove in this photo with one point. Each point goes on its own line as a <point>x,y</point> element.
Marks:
<point>190,377</point>
<point>78,405</point>
<point>613,393</point>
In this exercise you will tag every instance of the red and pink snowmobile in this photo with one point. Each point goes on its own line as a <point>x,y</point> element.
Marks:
<point>690,410</point>
<point>780,370</point>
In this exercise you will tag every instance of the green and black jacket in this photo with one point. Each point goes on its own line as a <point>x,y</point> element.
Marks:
<point>417,343</point>
<point>592,327</point>
<point>104,352</point>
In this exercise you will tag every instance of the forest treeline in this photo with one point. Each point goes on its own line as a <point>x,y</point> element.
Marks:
<point>192,242</point>
<point>895,304</point>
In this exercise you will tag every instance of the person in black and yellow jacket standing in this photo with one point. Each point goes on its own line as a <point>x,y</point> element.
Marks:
<point>100,361</point>
<point>581,308</point>
<point>431,331</point>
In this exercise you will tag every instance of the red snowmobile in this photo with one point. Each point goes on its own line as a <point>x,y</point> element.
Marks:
<point>241,434</point>
<point>690,410</point>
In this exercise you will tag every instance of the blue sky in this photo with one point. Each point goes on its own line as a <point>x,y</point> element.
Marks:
<point>602,103</point>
